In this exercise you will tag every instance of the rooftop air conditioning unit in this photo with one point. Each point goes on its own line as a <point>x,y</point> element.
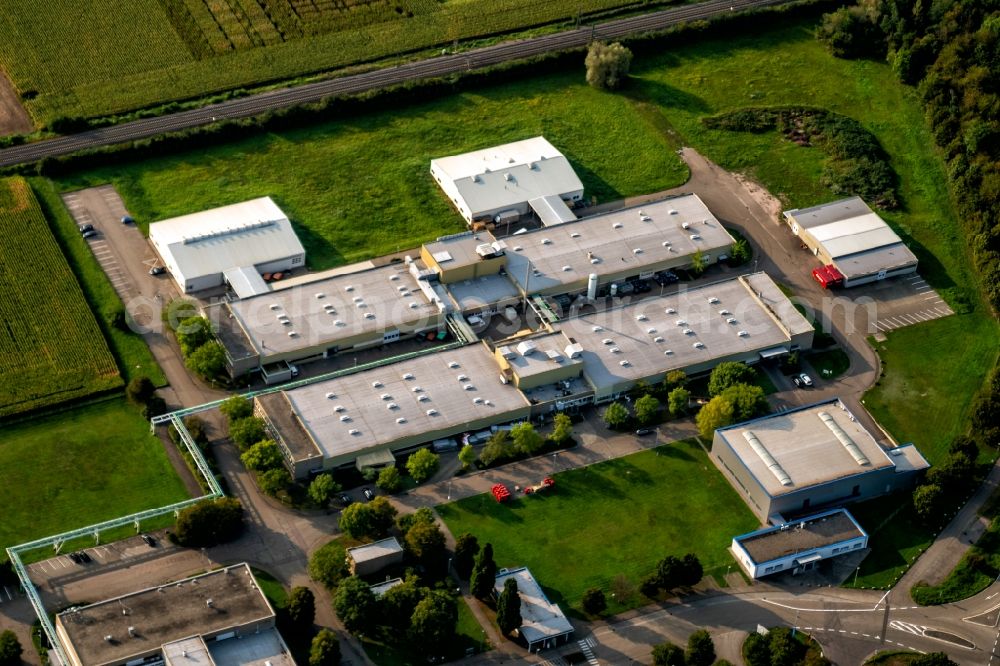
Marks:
<point>386,396</point>
<point>349,288</point>
<point>658,338</point>
<point>354,431</point>
<point>624,363</point>
<point>376,384</point>
<point>713,300</point>
<point>432,412</point>
<point>641,317</point>
<point>320,294</point>
<point>423,398</point>
<point>452,364</point>
<point>698,345</point>
<point>743,334</point>
<point>616,225</point>
<point>407,375</point>
<point>331,396</point>
<point>401,420</point>
<point>670,311</point>
<point>345,418</point>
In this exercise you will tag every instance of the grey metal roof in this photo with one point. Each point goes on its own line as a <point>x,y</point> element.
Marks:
<point>541,618</point>
<point>552,210</point>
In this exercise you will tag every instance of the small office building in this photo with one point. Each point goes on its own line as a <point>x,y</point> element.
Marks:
<point>230,245</point>
<point>502,183</point>
<point>798,546</point>
<point>543,623</point>
<point>809,458</point>
<point>855,245</point>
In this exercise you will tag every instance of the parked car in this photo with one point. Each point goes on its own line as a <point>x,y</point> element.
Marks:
<point>84,228</point>
<point>157,270</point>
<point>84,557</point>
<point>75,557</point>
<point>806,379</point>
<point>89,234</point>
<point>127,219</point>
<point>150,541</point>
<point>644,431</point>
<point>797,381</point>
<point>369,494</point>
<point>345,499</point>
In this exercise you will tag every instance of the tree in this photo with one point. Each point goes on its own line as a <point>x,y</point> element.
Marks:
<point>247,431</point>
<point>422,465</point>
<point>301,609</point>
<point>193,333</point>
<point>607,65</point>
<point>10,649</point>
<point>700,649</point>
<point>616,416</point>
<point>323,489</point>
<point>325,649</point>
<point>928,502</point>
<point>237,407</point>
<point>397,604</point>
<point>594,602</point>
<point>785,649</point>
<point>674,379</point>
<point>154,407</point>
<point>757,650</point>
<point>727,374</point>
<point>748,401</point>
<point>208,360</point>
<point>209,523</point>
<point>964,445</point>
<point>467,456</point>
<point>410,520</point>
<point>274,481</point>
<point>698,263</point>
<point>263,456</point>
<point>466,549</point>
<point>498,448</point>
<point>718,413</point>
<point>356,607</point>
<point>433,622</point>
<point>140,390</point>
<point>668,654</point>
<point>647,410</point>
<point>509,607</point>
<point>426,543</point>
<point>383,515</point>
<point>389,480</point>
<point>526,439</point>
<point>669,573</point>
<point>850,33</point>
<point>933,659</point>
<point>484,573</point>
<point>690,571</point>
<point>197,429</point>
<point>328,565</point>
<point>562,429</point>
<point>356,521</point>
<point>678,401</point>
<point>740,252</point>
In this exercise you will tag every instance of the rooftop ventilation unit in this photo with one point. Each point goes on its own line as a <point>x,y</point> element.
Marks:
<point>401,420</point>
<point>339,408</point>
<point>293,334</point>
<point>423,397</point>
<point>328,307</point>
<point>624,363</point>
<point>651,330</point>
<point>386,396</point>
<point>345,418</point>
<point>567,269</point>
<point>641,317</point>
<point>668,352</point>
<point>339,322</point>
<point>358,299</point>
<point>331,396</point>
<point>730,320</point>
<point>452,364</point>
<point>658,338</point>
<point>518,248</point>
<point>349,288</point>
<point>354,431</point>
<point>688,331</point>
<point>616,225</point>
<point>392,405</point>
<point>608,341</point>
<point>671,212</point>
<point>468,387</point>
<point>477,400</point>
<point>462,378</point>
<point>407,375</point>
<point>665,243</point>
<point>699,345</point>
<point>614,350</point>
<point>417,389</point>
<point>637,250</point>
<point>685,225</point>
<point>695,237</point>
<point>724,312</point>
<point>597,329</point>
<point>681,322</point>
<point>743,334</point>
<point>646,218</point>
<point>574,235</point>
<point>376,384</point>
<point>595,260</point>
<point>713,300</point>
<point>431,412</point>
<point>393,278</point>
<point>671,311</point>
<point>275,306</point>
<point>546,241</point>
<point>369,315</point>
<point>414,305</point>
<point>320,294</point>
<point>401,288</point>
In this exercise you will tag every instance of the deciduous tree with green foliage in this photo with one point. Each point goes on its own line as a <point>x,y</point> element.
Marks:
<point>484,573</point>
<point>274,481</point>
<point>140,390</point>
<point>397,604</point>
<point>616,416</point>
<point>674,379</point>
<point>678,400</point>
<point>740,252</point>
<point>325,649</point>
<point>594,602</point>
<point>10,649</point>
<point>748,401</point>
<point>497,449</point>
<point>467,456</point>
<point>247,431</point>
<point>426,543</point>
<point>433,622</point>
<point>422,465</point>
<point>466,549</point>
<point>717,413</point>
<point>929,501</point>
<point>509,607</point>
<point>668,654</point>
<point>389,480</point>
<point>562,429</point>
<point>356,606</point>
<point>207,361</point>
<point>383,515</point>
<point>700,649</point>
<point>209,523</point>
<point>849,32</point>
<point>727,374</point>
<point>607,65</point>
<point>322,489</point>
<point>526,439</point>
<point>301,609</point>
<point>356,521</point>
<point>262,456</point>
<point>193,333</point>
<point>647,410</point>
<point>235,408</point>
<point>328,565</point>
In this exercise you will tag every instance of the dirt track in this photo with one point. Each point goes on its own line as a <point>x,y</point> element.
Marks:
<point>13,118</point>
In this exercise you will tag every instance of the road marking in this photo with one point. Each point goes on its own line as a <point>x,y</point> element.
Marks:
<point>587,652</point>
<point>62,562</point>
<point>915,629</point>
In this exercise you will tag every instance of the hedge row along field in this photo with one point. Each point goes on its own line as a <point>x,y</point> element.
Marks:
<point>51,348</point>
<point>92,58</point>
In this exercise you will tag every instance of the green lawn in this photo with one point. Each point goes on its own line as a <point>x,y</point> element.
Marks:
<point>83,466</point>
<point>897,538</point>
<point>616,518</point>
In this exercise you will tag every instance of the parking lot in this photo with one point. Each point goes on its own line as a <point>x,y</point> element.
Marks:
<point>897,302</point>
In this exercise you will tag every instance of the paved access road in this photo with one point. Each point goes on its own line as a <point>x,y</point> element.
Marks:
<point>382,78</point>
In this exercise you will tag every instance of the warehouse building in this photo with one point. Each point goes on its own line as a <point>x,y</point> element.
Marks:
<point>196,620</point>
<point>232,245</point>
<point>472,267</point>
<point>800,545</point>
<point>543,623</point>
<point>395,407</point>
<point>373,557</point>
<point>502,183</point>
<point>318,319</point>
<point>809,458</point>
<point>628,243</point>
<point>855,245</point>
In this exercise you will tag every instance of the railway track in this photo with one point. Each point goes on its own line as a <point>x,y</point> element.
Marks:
<point>358,83</point>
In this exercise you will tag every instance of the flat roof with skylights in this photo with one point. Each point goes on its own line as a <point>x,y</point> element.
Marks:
<point>336,308</point>
<point>695,328</point>
<point>400,402</point>
<point>663,233</point>
<point>805,447</point>
<point>540,354</point>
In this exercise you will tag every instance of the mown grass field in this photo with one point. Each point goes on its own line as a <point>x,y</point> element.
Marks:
<point>102,57</point>
<point>40,302</point>
<point>86,465</point>
<point>616,518</point>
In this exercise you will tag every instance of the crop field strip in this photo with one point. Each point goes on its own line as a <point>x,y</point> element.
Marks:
<point>138,53</point>
<point>51,348</point>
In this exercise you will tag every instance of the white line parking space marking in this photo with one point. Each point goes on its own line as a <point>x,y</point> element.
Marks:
<point>9,595</point>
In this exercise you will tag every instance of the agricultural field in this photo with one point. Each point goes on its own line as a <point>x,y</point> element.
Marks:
<point>40,302</point>
<point>140,53</point>
<point>66,471</point>
<point>584,533</point>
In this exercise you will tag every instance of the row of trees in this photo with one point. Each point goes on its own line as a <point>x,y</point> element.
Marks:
<point>780,647</point>
<point>648,406</point>
<point>521,441</point>
<point>671,573</point>
<point>700,652</point>
<point>734,398</point>
<point>203,354</point>
<point>258,452</point>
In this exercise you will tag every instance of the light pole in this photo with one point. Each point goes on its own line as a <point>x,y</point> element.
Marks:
<point>449,498</point>
<point>856,571</point>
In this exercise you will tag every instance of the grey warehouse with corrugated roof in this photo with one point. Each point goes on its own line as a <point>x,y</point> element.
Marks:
<point>809,458</point>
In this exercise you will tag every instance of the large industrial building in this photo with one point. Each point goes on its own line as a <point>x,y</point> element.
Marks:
<point>577,361</point>
<point>232,245</point>
<point>855,245</point>
<point>504,182</point>
<point>800,545</point>
<point>809,458</point>
<point>220,618</point>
